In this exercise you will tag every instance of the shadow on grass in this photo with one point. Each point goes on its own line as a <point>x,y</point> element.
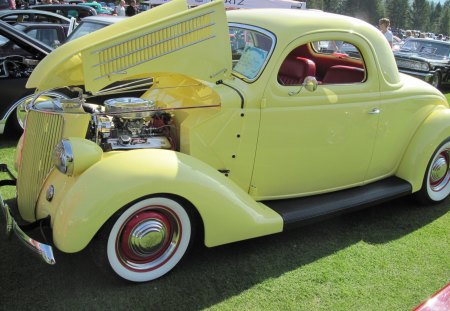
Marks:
<point>207,276</point>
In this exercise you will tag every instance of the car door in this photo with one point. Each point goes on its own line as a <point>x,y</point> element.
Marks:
<point>313,142</point>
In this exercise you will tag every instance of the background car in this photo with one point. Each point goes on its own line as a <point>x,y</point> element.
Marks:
<point>93,23</point>
<point>67,10</point>
<point>19,55</point>
<point>32,16</point>
<point>52,35</point>
<point>98,8</point>
<point>426,59</point>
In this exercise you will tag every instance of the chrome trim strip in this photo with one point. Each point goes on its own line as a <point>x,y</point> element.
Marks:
<point>421,75</point>
<point>156,30</point>
<point>157,43</point>
<point>45,251</point>
<point>146,60</point>
<point>2,126</point>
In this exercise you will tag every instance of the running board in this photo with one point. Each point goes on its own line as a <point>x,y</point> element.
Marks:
<point>300,211</point>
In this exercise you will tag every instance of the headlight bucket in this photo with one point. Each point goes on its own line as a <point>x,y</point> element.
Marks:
<point>75,155</point>
<point>63,157</point>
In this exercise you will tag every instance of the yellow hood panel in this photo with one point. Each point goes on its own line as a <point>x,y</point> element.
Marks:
<point>169,38</point>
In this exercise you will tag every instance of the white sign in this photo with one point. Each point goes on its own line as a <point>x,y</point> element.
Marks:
<point>257,4</point>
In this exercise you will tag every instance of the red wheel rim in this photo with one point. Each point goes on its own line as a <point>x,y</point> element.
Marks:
<point>148,238</point>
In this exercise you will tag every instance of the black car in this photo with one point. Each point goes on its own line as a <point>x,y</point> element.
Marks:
<point>426,59</point>
<point>50,34</point>
<point>19,55</point>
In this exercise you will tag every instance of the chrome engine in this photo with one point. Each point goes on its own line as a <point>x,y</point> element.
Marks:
<point>133,123</point>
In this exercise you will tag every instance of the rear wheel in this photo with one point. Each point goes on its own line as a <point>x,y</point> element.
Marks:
<point>436,184</point>
<point>148,239</point>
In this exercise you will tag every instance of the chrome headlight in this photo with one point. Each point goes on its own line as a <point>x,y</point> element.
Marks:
<point>424,66</point>
<point>63,157</point>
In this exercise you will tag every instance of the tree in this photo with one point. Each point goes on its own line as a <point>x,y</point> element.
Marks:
<point>370,11</point>
<point>419,14</point>
<point>397,12</point>
<point>435,17</point>
<point>444,26</point>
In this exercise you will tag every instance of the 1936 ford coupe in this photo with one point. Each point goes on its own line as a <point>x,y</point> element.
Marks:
<point>236,125</point>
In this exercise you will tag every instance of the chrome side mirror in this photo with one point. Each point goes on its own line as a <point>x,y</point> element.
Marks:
<point>310,83</point>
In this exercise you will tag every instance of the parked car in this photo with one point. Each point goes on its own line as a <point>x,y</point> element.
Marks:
<point>50,34</point>
<point>440,301</point>
<point>67,10</point>
<point>4,4</point>
<point>97,7</point>
<point>426,59</point>
<point>92,23</point>
<point>32,16</point>
<point>191,136</point>
<point>19,55</point>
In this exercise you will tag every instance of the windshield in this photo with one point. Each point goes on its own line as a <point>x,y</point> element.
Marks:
<point>251,48</point>
<point>427,47</point>
<point>83,29</point>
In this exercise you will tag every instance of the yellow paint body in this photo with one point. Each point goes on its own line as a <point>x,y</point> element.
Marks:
<point>273,145</point>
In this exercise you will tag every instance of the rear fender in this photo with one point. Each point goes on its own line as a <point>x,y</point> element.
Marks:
<point>86,202</point>
<point>434,130</point>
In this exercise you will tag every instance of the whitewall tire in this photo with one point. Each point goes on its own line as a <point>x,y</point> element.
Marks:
<point>148,239</point>
<point>436,184</point>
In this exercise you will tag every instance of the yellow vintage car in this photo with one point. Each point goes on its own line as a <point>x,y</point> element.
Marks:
<point>233,125</point>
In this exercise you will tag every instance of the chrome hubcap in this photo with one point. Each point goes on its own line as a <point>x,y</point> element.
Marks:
<point>148,239</point>
<point>439,175</point>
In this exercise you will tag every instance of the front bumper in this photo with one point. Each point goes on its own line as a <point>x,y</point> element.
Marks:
<point>426,76</point>
<point>43,250</point>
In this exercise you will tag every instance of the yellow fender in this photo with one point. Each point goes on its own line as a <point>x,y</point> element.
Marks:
<point>434,130</point>
<point>82,204</point>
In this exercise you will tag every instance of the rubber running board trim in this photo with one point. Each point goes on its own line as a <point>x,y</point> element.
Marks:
<point>301,211</point>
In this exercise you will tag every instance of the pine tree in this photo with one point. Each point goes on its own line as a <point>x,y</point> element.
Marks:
<point>419,13</point>
<point>397,12</point>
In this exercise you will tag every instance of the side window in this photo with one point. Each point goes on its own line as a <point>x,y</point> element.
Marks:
<point>46,36</point>
<point>250,50</point>
<point>329,61</point>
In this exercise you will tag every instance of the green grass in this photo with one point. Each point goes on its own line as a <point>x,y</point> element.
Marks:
<point>388,257</point>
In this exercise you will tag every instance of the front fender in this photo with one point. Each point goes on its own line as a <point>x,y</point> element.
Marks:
<point>434,130</point>
<point>81,205</point>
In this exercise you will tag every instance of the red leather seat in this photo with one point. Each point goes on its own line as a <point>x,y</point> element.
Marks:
<point>293,71</point>
<point>343,74</point>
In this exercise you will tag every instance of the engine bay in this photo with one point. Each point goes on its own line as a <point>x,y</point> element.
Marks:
<point>16,66</point>
<point>133,123</point>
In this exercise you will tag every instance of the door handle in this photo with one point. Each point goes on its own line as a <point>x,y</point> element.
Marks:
<point>375,111</point>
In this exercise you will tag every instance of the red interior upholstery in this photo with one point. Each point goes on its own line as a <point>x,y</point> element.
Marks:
<point>294,70</point>
<point>343,74</point>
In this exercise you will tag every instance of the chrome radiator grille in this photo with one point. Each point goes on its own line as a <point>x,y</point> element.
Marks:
<point>43,132</point>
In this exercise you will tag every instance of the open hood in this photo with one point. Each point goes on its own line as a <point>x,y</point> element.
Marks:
<point>170,38</point>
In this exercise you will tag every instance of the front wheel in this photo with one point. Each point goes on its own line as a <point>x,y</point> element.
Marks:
<point>436,184</point>
<point>436,82</point>
<point>148,239</point>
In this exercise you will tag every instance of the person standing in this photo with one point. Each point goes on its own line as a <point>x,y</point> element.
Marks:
<point>121,8</point>
<point>132,9</point>
<point>384,27</point>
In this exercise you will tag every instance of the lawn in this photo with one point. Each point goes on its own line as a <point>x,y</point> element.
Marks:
<point>388,257</point>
